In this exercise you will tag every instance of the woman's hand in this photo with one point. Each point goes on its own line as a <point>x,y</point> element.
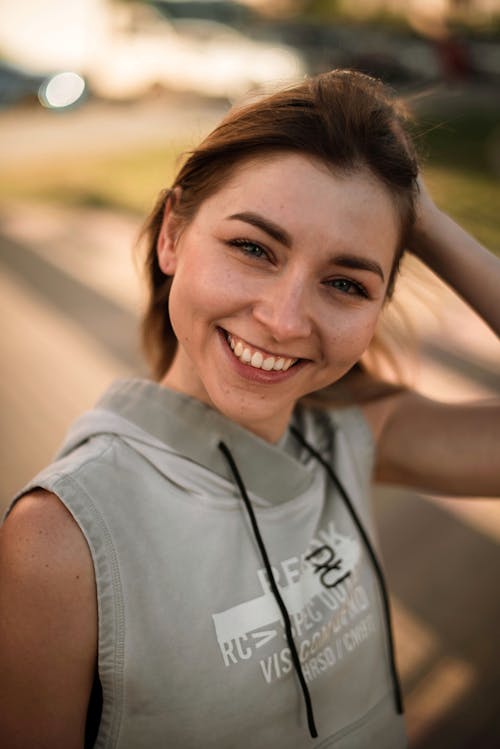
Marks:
<point>426,216</point>
<point>461,261</point>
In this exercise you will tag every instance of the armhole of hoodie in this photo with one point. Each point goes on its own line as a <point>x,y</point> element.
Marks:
<point>359,443</point>
<point>360,439</point>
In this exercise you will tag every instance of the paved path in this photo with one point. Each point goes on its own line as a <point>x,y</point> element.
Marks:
<point>101,127</point>
<point>69,302</point>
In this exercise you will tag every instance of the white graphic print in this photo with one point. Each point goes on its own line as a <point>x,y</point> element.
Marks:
<point>323,599</point>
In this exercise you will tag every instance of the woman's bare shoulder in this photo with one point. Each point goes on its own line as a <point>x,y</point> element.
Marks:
<point>48,629</point>
<point>39,528</point>
<point>44,555</point>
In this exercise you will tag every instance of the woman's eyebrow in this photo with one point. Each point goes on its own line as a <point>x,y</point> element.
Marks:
<point>358,262</point>
<point>345,260</point>
<point>274,231</point>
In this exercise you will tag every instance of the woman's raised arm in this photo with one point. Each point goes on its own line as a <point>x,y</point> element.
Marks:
<point>441,447</point>
<point>48,626</point>
<point>459,259</point>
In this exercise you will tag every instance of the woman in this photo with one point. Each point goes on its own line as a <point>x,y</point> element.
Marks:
<point>198,568</point>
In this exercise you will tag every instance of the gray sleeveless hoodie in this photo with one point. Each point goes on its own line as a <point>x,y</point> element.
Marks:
<point>192,650</point>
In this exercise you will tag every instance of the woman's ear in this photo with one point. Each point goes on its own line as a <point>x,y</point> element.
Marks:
<point>166,246</point>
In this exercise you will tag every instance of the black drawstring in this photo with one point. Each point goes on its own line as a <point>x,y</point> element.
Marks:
<point>376,564</point>
<point>274,588</point>
<point>277,595</point>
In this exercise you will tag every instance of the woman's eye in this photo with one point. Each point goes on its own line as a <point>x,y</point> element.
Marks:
<point>348,287</point>
<point>249,248</point>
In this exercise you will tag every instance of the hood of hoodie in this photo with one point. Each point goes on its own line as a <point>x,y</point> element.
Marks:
<point>163,425</point>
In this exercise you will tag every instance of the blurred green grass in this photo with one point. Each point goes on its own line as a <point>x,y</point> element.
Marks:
<point>461,162</point>
<point>127,181</point>
<point>461,157</point>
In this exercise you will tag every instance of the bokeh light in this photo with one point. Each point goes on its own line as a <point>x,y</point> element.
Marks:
<point>61,90</point>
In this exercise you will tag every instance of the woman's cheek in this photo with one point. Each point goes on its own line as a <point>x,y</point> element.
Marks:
<point>358,326</point>
<point>348,345</point>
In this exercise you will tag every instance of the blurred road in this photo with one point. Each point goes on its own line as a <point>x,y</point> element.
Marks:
<point>70,302</point>
<point>101,127</point>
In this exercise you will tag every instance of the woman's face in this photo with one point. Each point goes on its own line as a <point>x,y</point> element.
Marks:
<point>278,282</point>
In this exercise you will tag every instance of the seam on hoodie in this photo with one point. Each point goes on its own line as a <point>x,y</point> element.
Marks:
<point>112,710</point>
<point>46,478</point>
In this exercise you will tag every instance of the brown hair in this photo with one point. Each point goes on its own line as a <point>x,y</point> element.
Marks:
<point>344,119</point>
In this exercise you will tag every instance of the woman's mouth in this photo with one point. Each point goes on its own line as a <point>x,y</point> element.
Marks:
<point>257,358</point>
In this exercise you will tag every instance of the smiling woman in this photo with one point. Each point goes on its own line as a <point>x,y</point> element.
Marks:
<point>282,260</point>
<point>344,123</point>
<point>198,567</point>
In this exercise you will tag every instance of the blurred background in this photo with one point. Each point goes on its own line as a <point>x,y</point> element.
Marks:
<point>97,101</point>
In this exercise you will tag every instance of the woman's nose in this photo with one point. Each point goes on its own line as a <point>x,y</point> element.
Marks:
<point>283,309</point>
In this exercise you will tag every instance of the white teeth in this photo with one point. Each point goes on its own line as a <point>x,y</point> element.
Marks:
<point>257,359</point>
